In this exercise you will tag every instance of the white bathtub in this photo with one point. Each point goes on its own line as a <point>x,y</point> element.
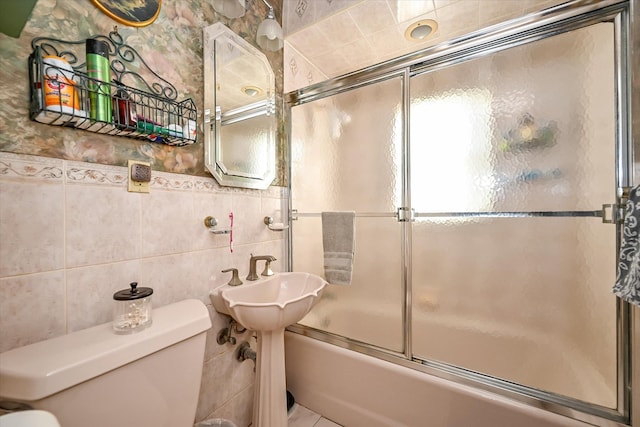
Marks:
<point>354,389</point>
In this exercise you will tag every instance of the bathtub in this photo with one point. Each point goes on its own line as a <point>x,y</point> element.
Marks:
<point>356,389</point>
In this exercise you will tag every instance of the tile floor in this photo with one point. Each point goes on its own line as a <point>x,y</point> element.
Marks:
<point>303,417</point>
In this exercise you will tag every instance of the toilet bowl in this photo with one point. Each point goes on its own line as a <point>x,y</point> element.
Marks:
<point>97,378</point>
<point>29,419</point>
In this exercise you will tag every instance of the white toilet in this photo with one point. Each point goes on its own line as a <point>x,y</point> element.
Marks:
<point>30,418</point>
<point>97,378</point>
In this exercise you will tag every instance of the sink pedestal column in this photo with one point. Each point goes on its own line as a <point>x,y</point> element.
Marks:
<point>270,392</point>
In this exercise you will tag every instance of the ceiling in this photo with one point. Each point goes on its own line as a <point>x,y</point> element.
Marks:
<point>327,38</point>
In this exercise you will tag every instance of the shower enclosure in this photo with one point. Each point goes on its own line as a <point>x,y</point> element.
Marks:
<point>486,176</point>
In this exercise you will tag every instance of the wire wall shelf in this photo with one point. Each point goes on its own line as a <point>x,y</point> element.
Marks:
<point>136,102</point>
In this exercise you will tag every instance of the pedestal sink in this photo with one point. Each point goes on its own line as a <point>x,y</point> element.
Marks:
<point>267,306</point>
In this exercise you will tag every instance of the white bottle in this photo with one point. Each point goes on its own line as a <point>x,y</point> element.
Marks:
<point>60,90</point>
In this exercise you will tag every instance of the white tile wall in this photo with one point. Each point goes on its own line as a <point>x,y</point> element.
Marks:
<point>28,234</point>
<point>31,308</point>
<point>337,37</point>
<point>71,235</point>
<point>101,223</point>
<point>89,288</point>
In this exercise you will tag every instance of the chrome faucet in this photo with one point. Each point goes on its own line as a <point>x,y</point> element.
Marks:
<point>267,267</point>
<point>235,280</point>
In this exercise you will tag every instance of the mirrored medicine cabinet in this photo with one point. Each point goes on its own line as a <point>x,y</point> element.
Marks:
<point>239,111</point>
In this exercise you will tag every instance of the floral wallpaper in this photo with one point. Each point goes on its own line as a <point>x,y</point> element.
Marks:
<point>171,46</point>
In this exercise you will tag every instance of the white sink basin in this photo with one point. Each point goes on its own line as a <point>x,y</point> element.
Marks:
<point>270,304</point>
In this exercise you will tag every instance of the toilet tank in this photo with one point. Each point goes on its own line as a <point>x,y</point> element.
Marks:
<point>97,378</point>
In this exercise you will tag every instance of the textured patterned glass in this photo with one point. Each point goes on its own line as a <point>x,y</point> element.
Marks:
<point>530,128</point>
<point>244,150</point>
<point>370,308</point>
<point>347,155</point>
<point>347,151</point>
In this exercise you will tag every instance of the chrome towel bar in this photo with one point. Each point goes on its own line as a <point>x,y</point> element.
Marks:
<point>610,214</point>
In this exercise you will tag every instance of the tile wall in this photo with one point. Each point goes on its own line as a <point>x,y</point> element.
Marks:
<point>71,235</point>
<point>372,31</point>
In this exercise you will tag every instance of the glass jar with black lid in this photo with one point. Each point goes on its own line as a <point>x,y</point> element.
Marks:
<point>132,309</point>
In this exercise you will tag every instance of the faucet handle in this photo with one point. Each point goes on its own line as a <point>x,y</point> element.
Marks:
<point>235,280</point>
<point>267,267</point>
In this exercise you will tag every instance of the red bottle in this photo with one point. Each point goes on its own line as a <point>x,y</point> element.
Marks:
<point>124,110</point>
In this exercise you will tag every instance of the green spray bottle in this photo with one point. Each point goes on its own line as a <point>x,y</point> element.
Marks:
<point>99,77</point>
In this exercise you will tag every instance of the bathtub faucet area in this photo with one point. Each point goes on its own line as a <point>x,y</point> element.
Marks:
<point>267,266</point>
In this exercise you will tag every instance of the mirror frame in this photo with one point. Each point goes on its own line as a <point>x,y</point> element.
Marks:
<point>214,118</point>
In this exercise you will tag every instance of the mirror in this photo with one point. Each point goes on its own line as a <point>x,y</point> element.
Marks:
<point>239,111</point>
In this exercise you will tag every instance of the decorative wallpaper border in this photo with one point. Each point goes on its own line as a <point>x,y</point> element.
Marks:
<point>171,181</point>
<point>29,167</point>
<point>23,167</point>
<point>91,173</point>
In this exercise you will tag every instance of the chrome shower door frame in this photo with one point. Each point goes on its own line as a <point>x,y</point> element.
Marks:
<point>537,26</point>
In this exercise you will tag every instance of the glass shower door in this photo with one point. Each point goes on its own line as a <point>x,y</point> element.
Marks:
<point>346,154</point>
<point>512,158</point>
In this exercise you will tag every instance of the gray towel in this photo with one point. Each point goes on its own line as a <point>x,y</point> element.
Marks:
<point>627,284</point>
<point>338,242</point>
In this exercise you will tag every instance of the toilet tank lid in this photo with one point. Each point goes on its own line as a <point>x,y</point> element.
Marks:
<point>44,368</point>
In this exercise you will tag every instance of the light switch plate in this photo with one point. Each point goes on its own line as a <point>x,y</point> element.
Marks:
<point>139,176</point>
